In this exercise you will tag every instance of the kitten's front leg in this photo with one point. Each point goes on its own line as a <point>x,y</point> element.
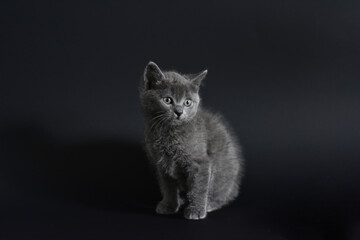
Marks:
<point>170,203</point>
<point>198,190</point>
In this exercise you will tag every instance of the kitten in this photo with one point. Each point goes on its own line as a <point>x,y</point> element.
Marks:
<point>197,159</point>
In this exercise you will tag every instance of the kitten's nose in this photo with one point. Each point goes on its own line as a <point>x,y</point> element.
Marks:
<point>178,112</point>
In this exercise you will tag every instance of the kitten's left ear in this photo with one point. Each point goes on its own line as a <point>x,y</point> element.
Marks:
<point>197,78</point>
<point>152,75</point>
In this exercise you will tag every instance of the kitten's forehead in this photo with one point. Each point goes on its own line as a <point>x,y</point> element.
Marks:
<point>175,78</point>
<point>179,86</point>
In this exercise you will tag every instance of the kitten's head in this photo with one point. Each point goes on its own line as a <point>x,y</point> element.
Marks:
<point>169,96</point>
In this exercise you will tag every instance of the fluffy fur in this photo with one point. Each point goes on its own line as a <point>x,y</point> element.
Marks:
<point>196,157</point>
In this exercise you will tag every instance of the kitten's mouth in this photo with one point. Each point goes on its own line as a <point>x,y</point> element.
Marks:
<point>178,120</point>
<point>178,117</point>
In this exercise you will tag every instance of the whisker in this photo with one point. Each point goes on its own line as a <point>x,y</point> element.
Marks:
<point>156,120</point>
<point>157,116</point>
<point>163,120</point>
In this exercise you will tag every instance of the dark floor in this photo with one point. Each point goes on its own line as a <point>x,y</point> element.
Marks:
<point>105,190</point>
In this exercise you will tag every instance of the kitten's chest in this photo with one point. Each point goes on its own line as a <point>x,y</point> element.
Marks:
<point>173,156</point>
<point>171,144</point>
<point>175,150</point>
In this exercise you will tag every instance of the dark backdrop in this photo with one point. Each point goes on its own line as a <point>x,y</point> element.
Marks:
<point>284,73</point>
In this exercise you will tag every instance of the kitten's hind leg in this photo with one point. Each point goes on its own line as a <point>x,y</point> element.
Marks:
<point>171,201</point>
<point>222,198</point>
<point>213,206</point>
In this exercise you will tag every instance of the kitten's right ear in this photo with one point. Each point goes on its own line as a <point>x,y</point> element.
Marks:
<point>152,75</point>
<point>197,78</point>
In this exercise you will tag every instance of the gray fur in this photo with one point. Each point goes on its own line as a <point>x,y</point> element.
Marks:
<point>196,157</point>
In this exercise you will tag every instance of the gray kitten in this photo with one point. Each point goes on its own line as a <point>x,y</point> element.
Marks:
<point>197,159</point>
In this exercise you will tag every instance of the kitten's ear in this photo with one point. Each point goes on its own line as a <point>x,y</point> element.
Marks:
<point>152,75</point>
<point>197,78</point>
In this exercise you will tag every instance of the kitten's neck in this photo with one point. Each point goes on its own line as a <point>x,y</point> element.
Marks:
<point>165,127</point>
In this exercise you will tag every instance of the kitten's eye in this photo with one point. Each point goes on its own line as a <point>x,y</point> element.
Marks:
<point>187,102</point>
<point>167,100</point>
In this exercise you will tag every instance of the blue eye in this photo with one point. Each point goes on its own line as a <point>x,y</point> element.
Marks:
<point>167,100</point>
<point>187,102</point>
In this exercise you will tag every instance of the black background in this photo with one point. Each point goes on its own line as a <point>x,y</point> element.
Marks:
<point>284,73</point>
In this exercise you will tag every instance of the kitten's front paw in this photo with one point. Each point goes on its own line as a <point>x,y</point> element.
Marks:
<point>166,208</point>
<point>193,213</point>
